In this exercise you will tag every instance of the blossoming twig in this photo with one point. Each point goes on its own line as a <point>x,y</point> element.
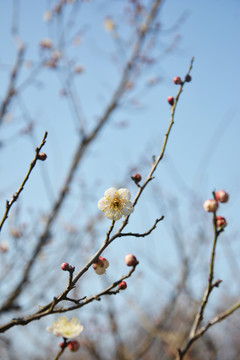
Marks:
<point>50,308</point>
<point>195,332</point>
<point>16,195</point>
<point>83,145</point>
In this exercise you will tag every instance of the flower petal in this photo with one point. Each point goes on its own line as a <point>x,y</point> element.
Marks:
<point>128,209</point>
<point>110,192</point>
<point>124,194</point>
<point>103,204</point>
<point>113,214</point>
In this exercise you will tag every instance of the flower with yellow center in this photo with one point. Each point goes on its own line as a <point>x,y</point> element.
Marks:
<point>116,204</point>
<point>67,329</point>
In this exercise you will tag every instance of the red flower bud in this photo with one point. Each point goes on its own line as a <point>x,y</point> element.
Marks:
<point>42,156</point>
<point>122,285</point>
<point>65,266</point>
<point>137,178</point>
<point>221,221</point>
<point>170,100</point>
<point>73,345</point>
<point>177,80</point>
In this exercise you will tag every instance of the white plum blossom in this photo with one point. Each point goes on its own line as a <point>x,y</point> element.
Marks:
<point>67,329</point>
<point>116,204</point>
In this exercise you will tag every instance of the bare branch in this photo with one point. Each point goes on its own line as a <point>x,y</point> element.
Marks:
<point>21,187</point>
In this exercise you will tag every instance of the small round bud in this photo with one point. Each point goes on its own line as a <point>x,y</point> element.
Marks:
<point>137,178</point>
<point>188,78</point>
<point>170,100</point>
<point>130,260</point>
<point>210,205</point>
<point>62,345</point>
<point>73,345</point>
<point>177,80</point>
<point>122,285</point>
<point>221,196</point>
<point>65,266</point>
<point>221,221</point>
<point>42,156</point>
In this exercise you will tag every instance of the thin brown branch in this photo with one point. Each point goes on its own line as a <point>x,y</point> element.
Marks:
<point>194,333</point>
<point>143,234</point>
<point>50,308</point>
<point>83,145</point>
<point>160,156</point>
<point>11,91</point>
<point>21,187</point>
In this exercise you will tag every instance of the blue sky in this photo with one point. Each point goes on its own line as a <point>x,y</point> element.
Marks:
<point>203,150</point>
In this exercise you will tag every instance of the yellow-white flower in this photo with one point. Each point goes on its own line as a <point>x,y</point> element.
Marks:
<point>116,204</point>
<point>67,329</point>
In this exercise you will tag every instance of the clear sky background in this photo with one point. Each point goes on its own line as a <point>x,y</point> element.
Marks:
<point>203,150</point>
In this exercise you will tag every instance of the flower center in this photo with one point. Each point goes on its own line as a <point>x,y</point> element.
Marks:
<point>116,203</point>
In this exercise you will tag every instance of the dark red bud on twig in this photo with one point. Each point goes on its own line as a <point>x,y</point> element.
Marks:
<point>177,80</point>
<point>170,100</point>
<point>42,156</point>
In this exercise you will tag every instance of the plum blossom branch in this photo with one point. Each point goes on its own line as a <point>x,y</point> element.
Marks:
<point>160,156</point>
<point>21,187</point>
<point>195,332</point>
<point>50,307</point>
<point>82,147</point>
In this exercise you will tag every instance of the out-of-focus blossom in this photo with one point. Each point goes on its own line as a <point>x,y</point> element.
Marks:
<point>78,69</point>
<point>67,329</point>
<point>46,43</point>
<point>109,24</point>
<point>47,15</point>
<point>4,247</point>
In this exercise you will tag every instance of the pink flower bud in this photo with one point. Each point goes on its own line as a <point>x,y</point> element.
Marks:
<point>65,266</point>
<point>221,196</point>
<point>62,345</point>
<point>221,221</point>
<point>42,156</point>
<point>170,100</point>
<point>177,80</point>
<point>210,205</point>
<point>130,260</point>
<point>137,178</point>
<point>73,345</point>
<point>122,285</point>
